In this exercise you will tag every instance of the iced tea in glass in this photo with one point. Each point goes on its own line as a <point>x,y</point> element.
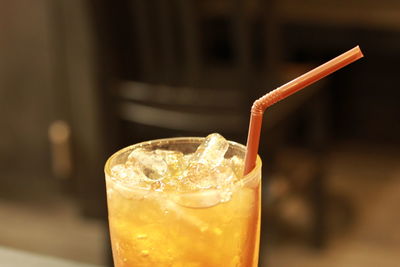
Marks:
<point>169,221</point>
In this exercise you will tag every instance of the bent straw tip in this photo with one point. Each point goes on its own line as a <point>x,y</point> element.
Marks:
<point>358,51</point>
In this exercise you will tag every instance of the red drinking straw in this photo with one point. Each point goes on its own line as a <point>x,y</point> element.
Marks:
<point>284,91</point>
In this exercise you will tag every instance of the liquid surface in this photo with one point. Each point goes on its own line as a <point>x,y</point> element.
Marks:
<point>172,171</point>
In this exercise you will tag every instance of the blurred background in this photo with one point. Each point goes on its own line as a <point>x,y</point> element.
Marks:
<point>80,79</point>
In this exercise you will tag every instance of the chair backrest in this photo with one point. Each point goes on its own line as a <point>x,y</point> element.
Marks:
<point>195,63</point>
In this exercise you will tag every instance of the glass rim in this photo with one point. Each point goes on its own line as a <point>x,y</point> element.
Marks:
<point>241,183</point>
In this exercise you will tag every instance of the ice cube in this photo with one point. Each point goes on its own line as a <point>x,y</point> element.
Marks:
<point>127,180</point>
<point>223,176</point>
<point>175,161</point>
<point>200,199</point>
<point>237,165</point>
<point>151,164</point>
<point>207,167</point>
<point>209,186</point>
<point>201,176</point>
<point>126,175</point>
<point>198,176</point>
<point>212,151</point>
<point>119,171</point>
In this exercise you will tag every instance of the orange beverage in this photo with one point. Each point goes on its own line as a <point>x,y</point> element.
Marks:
<point>164,221</point>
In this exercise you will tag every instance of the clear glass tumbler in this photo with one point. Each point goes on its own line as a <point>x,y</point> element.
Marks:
<point>207,228</point>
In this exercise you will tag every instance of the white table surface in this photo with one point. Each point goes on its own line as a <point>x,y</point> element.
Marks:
<point>16,258</point>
